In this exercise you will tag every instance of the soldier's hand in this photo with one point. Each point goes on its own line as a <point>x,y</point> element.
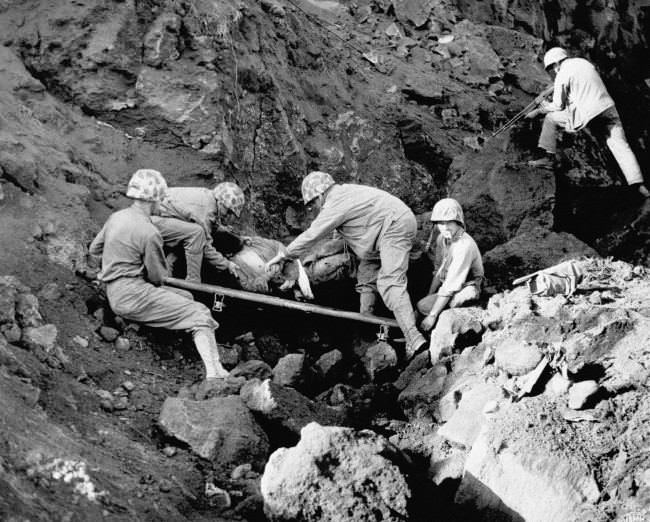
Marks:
<point>428,323</point>
<point>233,269</point>
<point>274,261</point>
<point>533,114</point>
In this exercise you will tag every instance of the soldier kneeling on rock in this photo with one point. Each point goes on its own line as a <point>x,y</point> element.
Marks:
<point>186,217</point>
<point>457,280</point>
<point>133,268</point>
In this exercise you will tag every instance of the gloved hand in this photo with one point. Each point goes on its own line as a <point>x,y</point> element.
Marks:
<point>274,261</point>
<point>233,269</point>
<point>246,240</point>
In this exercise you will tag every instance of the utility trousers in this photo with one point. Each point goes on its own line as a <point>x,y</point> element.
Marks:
<point>137,300</point>
<point>607,125</point>
<point>467,294</point>
<point>387,274</point>
<point>176,232</point>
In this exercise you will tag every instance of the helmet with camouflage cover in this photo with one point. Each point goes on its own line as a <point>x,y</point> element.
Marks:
<point>230,196</point>
<point>147,185</point>
<point>314,184</point>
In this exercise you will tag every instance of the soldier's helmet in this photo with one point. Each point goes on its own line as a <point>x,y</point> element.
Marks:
<point>147,185</point>
<point>230,196</point>
<point>448,209</point>
<point>314,184</point>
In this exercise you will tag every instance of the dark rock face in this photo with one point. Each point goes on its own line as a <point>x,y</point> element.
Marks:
<point>245,92</point>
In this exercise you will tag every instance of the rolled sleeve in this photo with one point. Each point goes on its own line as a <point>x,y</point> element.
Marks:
<point>96,248</point>
<point>325,223</point>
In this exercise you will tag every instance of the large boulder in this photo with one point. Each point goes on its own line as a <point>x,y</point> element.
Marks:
<point>335,473</point>
<point>519,466</point>
<point>222,429</point>
<point>533,249</point>
<point>456,328</point>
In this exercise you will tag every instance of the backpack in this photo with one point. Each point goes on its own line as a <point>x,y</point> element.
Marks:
<point>561,279</point>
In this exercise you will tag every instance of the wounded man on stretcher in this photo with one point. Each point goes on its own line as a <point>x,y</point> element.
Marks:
<point>329,261</point>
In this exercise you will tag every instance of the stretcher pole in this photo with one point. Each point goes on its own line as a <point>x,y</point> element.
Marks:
<point>220,292</point>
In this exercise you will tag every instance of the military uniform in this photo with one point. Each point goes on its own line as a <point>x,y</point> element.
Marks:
<point>133,268</point>
<point>380,230</point>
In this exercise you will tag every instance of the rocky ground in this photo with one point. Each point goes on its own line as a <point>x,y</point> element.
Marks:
<point>524,408</point>
<point>533,408</point>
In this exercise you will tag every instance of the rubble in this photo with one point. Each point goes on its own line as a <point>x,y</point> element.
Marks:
<point>455,329</point>
<point>419,396</point>
<point>252,370</point>
<point>465,423</point>
<point>516,357</point>
<point>109,334</point>
<point>285,407</point>
<point>379,358</point>
<point>403,95</point>
<point>329,365</point>
<point>509,471</point>
<point>288,370</point>
<point>41,337</point>
<point>580,393</point>
<point>335,473</point>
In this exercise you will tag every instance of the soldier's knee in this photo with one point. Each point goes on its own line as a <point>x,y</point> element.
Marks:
<point>196,236</point>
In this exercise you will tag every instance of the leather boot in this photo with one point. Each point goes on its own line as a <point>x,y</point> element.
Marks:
<point>415,341</point>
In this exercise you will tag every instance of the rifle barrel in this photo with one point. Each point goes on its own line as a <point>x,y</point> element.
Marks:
<point>279,302</point>
<point>523,111</point>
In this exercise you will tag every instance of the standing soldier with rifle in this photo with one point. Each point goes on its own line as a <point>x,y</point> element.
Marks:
<point>580,99</point>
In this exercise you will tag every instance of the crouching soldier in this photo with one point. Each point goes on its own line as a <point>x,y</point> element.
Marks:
<point>460,267</point>
<point>379,228</point>
<point>188,214</point>
<point>133,267</point>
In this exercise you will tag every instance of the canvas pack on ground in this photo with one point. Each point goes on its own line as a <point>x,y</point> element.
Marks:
<point>561,279</point>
